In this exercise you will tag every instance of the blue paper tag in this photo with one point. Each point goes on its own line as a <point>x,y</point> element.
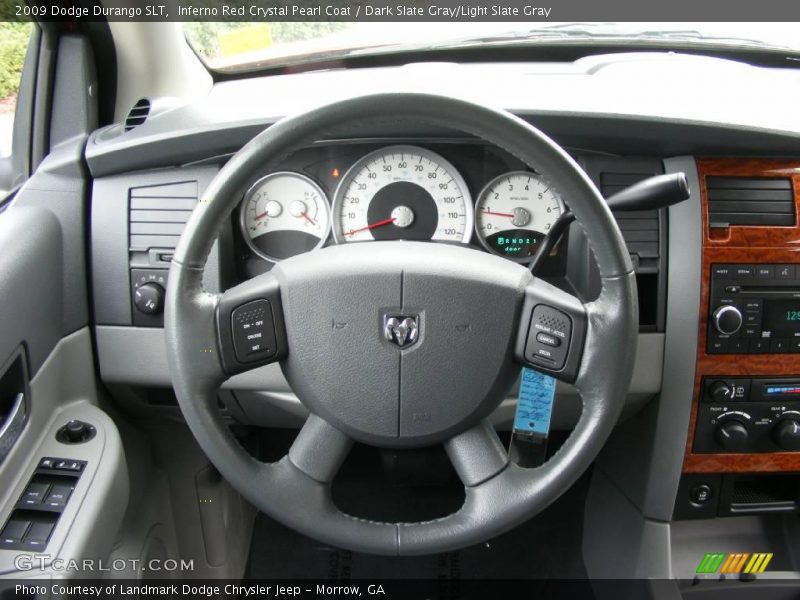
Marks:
<point>535,403</point>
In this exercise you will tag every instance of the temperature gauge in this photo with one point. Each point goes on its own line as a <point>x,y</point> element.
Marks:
<point>514,213</point>
<point>285,214</point>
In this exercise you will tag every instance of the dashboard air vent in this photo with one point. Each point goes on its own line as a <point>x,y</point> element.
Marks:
<point>158,214</point>
<point>138,114</point>
<point>749,201</point>
<point>640,228</point>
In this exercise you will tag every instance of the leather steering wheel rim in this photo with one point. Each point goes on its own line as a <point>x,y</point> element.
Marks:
<point>499,494</point>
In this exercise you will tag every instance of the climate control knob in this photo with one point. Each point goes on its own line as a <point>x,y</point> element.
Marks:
<point>786,434</point>
<point>727,319</point>
<point>732,435</point>
<point>149,298</point>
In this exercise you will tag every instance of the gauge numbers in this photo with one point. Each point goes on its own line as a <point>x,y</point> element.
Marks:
<point>285,214</point>
<point>402,193</point>
<point>514,213</point>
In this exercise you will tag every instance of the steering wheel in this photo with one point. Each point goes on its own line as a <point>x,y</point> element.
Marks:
<point>401,344</point>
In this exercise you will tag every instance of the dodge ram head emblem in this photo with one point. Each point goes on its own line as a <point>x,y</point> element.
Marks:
<point>400,329</point>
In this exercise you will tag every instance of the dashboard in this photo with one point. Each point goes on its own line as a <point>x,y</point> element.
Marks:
<point>446,191</point>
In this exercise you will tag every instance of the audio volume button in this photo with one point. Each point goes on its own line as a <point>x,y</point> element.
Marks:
<point>727,319</point>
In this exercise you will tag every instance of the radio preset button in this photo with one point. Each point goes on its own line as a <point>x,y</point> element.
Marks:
<point>779,345</point>
<point>759,346</point>
<point>739,346</point>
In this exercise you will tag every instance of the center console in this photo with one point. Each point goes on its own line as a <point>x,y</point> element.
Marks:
<point>744,431</point>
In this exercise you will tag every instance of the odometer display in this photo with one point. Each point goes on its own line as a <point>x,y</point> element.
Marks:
<point>402,193</point>
<point>514,213</point>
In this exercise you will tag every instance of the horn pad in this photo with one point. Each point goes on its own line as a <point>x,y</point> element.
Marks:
<point>347,309</point>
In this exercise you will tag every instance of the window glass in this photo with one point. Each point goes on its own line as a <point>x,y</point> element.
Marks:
<point>13,45</point>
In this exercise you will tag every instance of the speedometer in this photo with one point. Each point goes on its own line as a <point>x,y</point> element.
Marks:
<point>402,193</point>
<point>515,212</point>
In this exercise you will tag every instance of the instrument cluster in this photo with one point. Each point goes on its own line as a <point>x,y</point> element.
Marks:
<point>344,193</point>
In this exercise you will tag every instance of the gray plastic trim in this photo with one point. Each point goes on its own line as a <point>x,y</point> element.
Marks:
<point>62,391</point>
<point>680,346</point>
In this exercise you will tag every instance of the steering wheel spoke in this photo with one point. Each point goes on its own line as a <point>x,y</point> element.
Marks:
<point>552,333</point>
<point>320,449</point>
<point>250,325</point>
<point>477,454</point>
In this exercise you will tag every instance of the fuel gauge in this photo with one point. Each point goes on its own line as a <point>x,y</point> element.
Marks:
<point>285,214</point>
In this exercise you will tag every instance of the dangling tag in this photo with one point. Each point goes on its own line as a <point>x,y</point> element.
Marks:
<point>532,420</point>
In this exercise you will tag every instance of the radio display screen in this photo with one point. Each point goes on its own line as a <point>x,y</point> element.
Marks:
<point>782,317</point>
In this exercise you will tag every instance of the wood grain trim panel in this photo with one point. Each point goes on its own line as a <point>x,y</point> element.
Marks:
<point>742,244</point>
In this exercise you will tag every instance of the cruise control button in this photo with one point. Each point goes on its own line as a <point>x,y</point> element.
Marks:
<point>548,340</point>
<point>253,331</point>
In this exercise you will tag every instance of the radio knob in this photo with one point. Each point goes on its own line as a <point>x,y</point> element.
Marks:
<point>720,391</point>
<point>786,434</point>
<point>732,435</point>
<point>727,319</point>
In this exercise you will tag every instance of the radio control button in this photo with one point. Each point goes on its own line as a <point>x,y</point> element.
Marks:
<point>721,271</point>
<point>752,305</point>
<point>779,345</point>
<point>727,319</point>
<point>739,346</point>
<point>794,345</point>
<point>718,346</point>
<point>752,318</point>
<point>784,272</point>
<point>765,272</point>
<point>743,271</point>
<point>759,346</point>
<point>751,331</point>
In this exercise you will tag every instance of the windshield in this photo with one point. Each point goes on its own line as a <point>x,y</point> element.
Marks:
<point>237,46</point>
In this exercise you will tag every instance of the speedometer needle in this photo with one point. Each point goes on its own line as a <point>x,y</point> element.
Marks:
<point>372,226</point>
<point>497,214</point>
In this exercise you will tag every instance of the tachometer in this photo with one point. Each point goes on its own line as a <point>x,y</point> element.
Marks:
<point>514,213</point>
<point>402,193</point>
<point>285,214</point>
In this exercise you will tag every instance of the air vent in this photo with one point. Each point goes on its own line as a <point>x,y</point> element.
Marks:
<point>158,214</point>
<point>138,114</point>
<point>640,228</point>
<point>749,201</point>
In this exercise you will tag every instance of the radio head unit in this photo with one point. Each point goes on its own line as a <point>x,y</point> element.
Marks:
<point>754,309</point>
